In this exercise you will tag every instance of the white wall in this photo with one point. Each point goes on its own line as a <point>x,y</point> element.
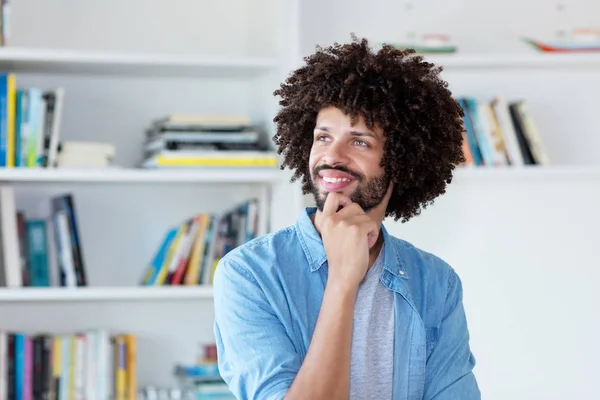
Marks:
<point>225,27</point>
<point>525,249</point>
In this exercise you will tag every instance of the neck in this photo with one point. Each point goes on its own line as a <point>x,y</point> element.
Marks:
<point>374,251</point>
<point>376,214</point>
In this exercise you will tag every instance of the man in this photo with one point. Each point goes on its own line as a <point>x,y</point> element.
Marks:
<point>334,307</point>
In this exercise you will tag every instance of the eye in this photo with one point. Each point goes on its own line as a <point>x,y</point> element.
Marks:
<point>322,138</point>
<point>361,143</point>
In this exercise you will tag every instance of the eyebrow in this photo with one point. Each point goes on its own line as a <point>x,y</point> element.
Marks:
<point>352,132</point>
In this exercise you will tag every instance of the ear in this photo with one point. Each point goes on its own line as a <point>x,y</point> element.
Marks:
<point>389,192</point>
<point>386,199</point>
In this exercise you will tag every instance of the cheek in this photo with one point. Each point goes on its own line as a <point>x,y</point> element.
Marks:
<point>313,158</point>
<point>370,168</point>
<point>376,169</point>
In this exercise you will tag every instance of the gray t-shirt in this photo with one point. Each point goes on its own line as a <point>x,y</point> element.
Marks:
<point>372,354</point>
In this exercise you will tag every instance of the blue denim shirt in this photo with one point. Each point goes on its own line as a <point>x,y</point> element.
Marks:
<point>267,297</point>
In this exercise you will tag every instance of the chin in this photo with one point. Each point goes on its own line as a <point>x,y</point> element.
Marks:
<point>321,195</point>
<point>346,192</point>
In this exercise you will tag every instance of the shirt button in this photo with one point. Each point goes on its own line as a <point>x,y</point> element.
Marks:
<point>401,272</point>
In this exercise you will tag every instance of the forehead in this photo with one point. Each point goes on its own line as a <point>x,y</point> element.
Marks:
<point>332,118</point>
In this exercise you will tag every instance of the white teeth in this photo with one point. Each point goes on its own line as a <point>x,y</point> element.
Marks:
<point>335,180</point>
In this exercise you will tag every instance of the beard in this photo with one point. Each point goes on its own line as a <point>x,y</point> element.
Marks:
<point>368,195</point>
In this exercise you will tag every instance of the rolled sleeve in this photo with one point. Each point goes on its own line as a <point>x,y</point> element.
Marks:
<point>256,356</point>
<point>450,366</point>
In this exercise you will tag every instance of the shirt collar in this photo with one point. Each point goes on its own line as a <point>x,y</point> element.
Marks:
<point>312,245</point>
<point>310,239</point>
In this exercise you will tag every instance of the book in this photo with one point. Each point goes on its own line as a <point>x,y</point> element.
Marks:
<point>499,132</point>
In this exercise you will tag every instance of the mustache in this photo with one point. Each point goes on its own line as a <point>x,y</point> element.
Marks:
<point>340,168</point>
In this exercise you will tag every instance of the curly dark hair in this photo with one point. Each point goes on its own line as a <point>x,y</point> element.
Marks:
<point>393,88</point>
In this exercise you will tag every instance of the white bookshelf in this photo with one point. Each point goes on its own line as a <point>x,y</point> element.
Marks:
<point>116,81</point>
<point>105,294</point>
<point>43,60</point>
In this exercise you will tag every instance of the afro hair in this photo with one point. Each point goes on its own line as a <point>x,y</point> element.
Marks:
<point>392,88</point>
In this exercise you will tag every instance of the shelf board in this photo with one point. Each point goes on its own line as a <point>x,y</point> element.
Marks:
<point>507,61</point>
<point>77,294</point>
<point>528,172</point>
<point>135,175</point>
<point>103,62</point>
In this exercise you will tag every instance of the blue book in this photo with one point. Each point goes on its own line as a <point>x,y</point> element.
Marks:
<point>19,366</point>
<point>159,258</point>
<point>18,128</point>
<point>471,138</point>
<point>38,253</point>
<point>3,118</point>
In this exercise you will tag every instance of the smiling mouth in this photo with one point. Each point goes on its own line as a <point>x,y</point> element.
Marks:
<point>331,184</point>
<point>335,180</point>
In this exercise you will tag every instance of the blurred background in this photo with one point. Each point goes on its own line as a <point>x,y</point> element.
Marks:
<point>135,146</point>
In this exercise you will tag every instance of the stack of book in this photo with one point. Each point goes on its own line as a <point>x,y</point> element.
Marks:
<point>91,364</point>
<point>190,251</point>
<point>202,379</point>
<point>30,124</point>
<point>500,133</point>
<point>85,154</point>
<point>192,141</point>
<point>25,244</point>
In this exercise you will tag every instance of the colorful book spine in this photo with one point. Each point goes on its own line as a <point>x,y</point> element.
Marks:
<point>35,126</point>
<point>37,246</point>
<point>11,93</point>
<point>3,119</point>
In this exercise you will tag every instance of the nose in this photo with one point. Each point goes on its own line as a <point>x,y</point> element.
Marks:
<point>336,154</point>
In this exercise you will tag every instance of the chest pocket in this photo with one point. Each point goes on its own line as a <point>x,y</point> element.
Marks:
<point>431,340</point>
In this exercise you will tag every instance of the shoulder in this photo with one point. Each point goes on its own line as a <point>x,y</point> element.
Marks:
<point>256,258</point>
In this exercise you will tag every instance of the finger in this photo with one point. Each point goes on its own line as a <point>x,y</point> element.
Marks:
<point>363,222</point>
<point>350,210</point>
<point>366,225</point>
<point>333,202</point>
<point>372,231</point>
